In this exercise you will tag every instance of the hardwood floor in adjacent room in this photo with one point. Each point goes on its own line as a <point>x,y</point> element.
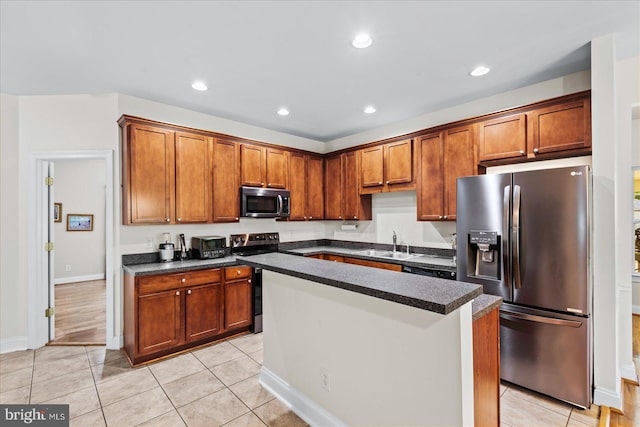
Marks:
<point>80,313</point>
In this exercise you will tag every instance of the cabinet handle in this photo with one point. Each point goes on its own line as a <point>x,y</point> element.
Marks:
<point>179,219</point>
<point>177,292</point>
<point>269,185</point>
<point>445,217</point>
<point>168,220</point>
<point>340,217</point>
<point>262,184</point>
<point>189,292</point>
<point>387,182</point>
<point>440,217</point>
<point>238,272</point>
<point>183,280</point>
<point>522,152</point>
<point>310,217</point>
<point>379,182</point>
<point>237,218</point>
<point>305,217</point>
<point>249,281</point>
<point>355,217</point>
<point>535,150</point>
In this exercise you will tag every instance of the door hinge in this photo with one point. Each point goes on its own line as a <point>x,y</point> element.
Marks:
<point>49,312</point>
<point>48,246</point>
<point>48,181</point>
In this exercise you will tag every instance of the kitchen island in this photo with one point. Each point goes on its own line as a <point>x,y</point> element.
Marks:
<point>350,345</point>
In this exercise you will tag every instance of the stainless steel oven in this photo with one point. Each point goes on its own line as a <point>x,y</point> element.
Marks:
<point>253,244</point>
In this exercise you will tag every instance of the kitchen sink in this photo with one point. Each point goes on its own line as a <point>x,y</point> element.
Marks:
<point>386,254</point>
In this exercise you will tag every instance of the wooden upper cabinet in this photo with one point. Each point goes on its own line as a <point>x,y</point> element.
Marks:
<point>226,181</point>
<point>399,162</point>
<point>459,160</point>
<point>253,165</point>
<point>166,175</point>
<point>356,207</point>
<point>387,167</point>
<point>333,187</point>
<point>315,187</point>
<point>430,191</point>
<point>562,127</point>
<point>503,138</point>
<point>298,187</point>
<point>263,167</point>
<point>276,167</point>
<point>372,167</point>
<point>193,178</point>
<point>444,157</point>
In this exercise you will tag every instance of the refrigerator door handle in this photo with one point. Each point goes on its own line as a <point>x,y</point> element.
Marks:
<point>505,235</point>
<point>515,236</point>
<point>512,315</point>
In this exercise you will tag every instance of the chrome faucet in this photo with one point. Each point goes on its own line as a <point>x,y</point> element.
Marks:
<point>395,240</point>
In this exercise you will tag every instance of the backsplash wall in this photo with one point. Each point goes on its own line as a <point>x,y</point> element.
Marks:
<point>395,212</point>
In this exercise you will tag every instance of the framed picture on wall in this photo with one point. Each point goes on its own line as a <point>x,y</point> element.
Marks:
<point>79,222</point>
<point>57,212</point>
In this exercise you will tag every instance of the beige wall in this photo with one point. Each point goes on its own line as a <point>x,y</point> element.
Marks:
<point>13,284</point>
<point>80,187</point>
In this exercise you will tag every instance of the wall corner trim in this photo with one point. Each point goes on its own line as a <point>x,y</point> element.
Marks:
<point>603,396</point>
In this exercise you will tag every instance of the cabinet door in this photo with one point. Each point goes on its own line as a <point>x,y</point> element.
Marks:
<point>486,369</point>
<point>333,188</point>
<point>430,191</point>
<point>203,309</point>
<point>151,175</point>
<point>315,188</point>
<point>562,127</point>
<point>356,207</point>
<point>159,321</point>
<point>399,163</point>
<point>459,160</point>
<point>372,172</point>
<point>253,165</point>
<point>298,187</point>
<point>503,138</point>
<point>237,304</point>
<point>277,172</point>
<point>226,181</point>
<point>193,178</point>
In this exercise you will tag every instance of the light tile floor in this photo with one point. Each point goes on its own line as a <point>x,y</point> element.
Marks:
<point>212,386</point>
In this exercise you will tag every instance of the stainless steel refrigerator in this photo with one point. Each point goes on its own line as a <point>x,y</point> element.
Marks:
<point>525,237</point>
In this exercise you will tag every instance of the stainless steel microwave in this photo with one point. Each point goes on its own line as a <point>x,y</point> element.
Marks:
<point>264,202</point>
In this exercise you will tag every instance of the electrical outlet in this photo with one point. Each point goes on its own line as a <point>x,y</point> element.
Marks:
<point>67,267</point>
<point>149,242</point>
<point>325,380</point>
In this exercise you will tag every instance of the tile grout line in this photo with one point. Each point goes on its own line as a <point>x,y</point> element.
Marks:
<point>95,385</point>
<point>170,401</point>
<point>33,368</point>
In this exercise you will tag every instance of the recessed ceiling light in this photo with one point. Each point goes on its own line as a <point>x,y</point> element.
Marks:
<point>199,85</point>
<point>479,71</point>
<point>369,109</point>
<point>283,112</point>
<point>362,40</point>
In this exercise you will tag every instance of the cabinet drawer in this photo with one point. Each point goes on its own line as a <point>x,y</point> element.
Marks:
<point>234,273</point>
<point>164,282</point>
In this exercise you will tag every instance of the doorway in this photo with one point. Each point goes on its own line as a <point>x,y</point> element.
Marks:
<point>40,281</point>
<point>78,261</point>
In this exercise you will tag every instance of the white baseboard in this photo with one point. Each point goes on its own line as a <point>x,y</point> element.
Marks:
<point>7,345</point>
<point>76,279</point>
<point>628,372</point>
<point>602,396</point>
<point>304,407</point>
<point>635,309</point>
<point>116,343</point>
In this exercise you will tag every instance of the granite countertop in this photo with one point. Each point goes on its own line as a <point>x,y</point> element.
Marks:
<point>178,266</point>
<point>483,304</point>
<point>428,293</point>
<point>420,260</point>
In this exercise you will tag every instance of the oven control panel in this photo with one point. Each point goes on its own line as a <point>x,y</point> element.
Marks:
<point>254,239</point>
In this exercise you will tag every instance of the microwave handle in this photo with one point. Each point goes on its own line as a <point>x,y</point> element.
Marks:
<point>279,209</point>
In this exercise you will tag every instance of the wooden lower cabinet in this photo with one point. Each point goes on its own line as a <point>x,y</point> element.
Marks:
<point>358,261</point>
<point>486,369</point>
<point>166,313</point>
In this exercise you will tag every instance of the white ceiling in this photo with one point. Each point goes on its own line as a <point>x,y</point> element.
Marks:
<point>256,56</point>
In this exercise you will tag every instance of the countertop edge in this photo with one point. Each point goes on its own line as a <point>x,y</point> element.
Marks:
<point>484,304</point>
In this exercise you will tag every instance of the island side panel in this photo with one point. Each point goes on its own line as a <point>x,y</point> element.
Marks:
<point>364,360</point>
